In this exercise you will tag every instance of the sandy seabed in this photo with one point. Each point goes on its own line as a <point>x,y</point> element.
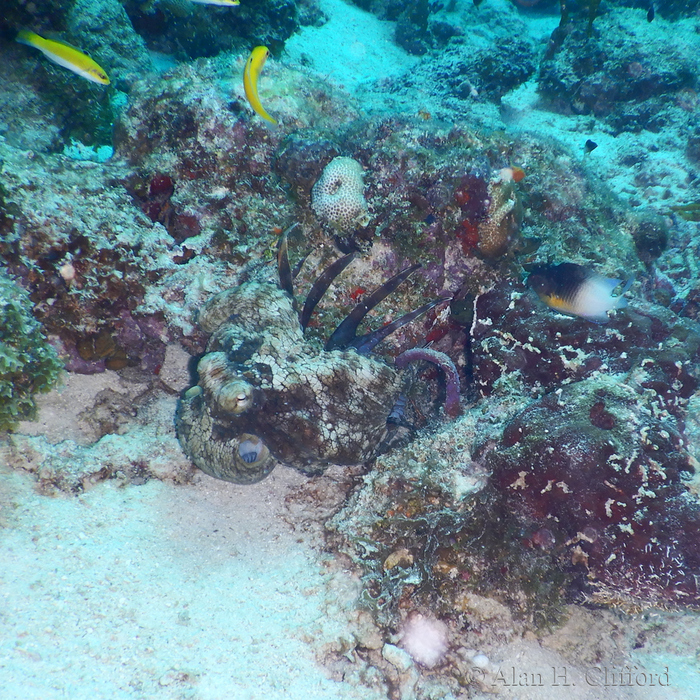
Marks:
<point>163,591</point>
<point>175,585</point>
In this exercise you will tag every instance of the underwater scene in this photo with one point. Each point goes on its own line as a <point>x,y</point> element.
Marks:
<point>350,350</point>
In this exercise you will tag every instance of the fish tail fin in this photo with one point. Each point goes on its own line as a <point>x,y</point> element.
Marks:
<point>621,301</point>
<point>24,36</point>
<point>628,284</point>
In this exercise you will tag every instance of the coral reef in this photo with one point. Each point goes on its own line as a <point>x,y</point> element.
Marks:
<point>101,255</point>
<point>467,71</point>
<point>610,422</point>
<point>178,29</point>
<point>617,73</point>
<point>428,191</point>
<point>107,34</point>
<point>54,97</point>
<point>28,364</point>
<point>82,262</point>
<point>589,475</point>
<point>338,198</point>
<point>571,478</point>
<point>567,472</point>
<point>517,341</point>
<point>175,27</point>
<point>191,204</point>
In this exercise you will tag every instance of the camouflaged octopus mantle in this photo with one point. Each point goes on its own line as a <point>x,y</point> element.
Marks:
<point>267,393</point>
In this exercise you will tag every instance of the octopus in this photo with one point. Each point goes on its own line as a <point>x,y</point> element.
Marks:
<point>268,394</point>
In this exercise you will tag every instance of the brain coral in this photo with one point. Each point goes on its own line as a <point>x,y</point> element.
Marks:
<point>338,196</point>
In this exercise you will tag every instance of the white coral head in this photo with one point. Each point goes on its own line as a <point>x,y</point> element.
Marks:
<point>338,196</point>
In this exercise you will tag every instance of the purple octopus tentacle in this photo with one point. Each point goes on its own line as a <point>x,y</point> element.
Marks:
<point>444,362</point>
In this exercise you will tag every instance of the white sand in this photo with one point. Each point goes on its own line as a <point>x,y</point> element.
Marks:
<point>351,49</point>
<point>163,591</point>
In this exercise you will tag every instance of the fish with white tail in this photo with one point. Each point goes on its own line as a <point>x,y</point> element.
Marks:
<point>575,290</point>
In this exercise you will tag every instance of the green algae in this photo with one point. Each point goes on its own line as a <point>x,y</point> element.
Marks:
<point>28,364</point>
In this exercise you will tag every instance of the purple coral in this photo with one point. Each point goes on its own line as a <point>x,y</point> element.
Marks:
<point>444,362</point>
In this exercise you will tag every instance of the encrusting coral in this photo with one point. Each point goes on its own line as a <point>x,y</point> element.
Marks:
<point>338,196</point>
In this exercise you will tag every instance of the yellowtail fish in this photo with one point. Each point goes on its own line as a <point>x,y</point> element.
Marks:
<point>65,55</point>
<point>575,290</point>
<point>689,212</point>
<point>253,67</point>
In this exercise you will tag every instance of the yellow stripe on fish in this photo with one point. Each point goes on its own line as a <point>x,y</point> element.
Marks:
<point>575,290</point>
<point>253,67</point>
<point>65,55</point>
<point>222,3</point>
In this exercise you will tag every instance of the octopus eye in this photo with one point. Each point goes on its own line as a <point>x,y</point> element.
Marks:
<point>236,396</point>
<point>251,449</point>
<point>248,457</point>
<point>249,452</point>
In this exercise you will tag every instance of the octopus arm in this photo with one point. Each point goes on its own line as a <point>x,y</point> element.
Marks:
<point>345,333</point>
<point>365,343</point>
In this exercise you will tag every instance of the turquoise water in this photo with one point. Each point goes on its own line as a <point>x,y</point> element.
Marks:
<point>540,160</point>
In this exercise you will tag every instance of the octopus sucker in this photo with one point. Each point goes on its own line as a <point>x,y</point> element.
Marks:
<point>266,394</point>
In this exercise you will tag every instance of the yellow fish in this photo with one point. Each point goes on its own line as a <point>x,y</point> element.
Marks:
<point>223,3</point>
<point>65,55</point>
<point>253,67</point>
